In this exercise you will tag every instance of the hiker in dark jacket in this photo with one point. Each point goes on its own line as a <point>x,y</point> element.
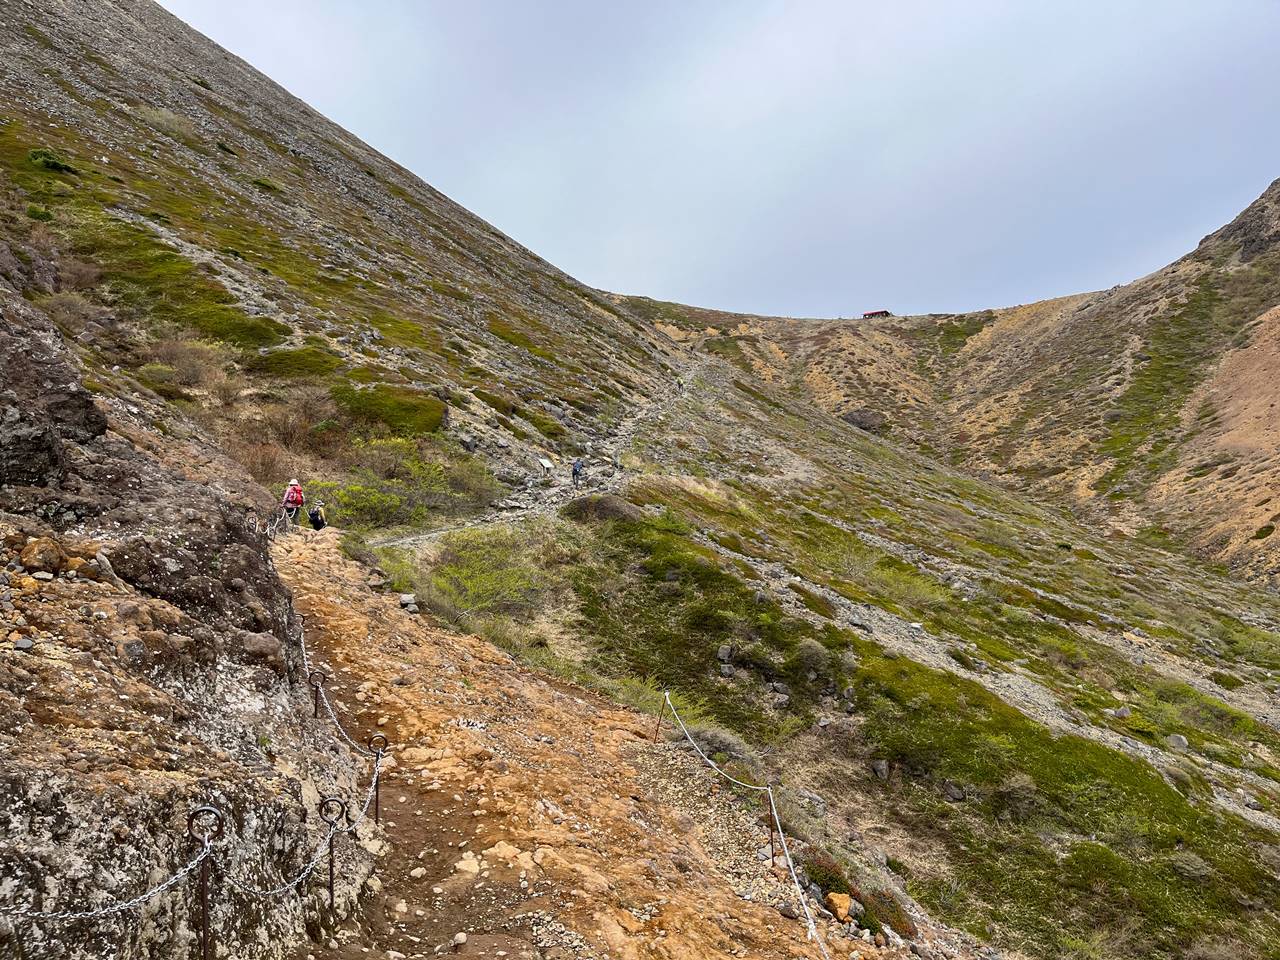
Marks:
<point>577,472</point>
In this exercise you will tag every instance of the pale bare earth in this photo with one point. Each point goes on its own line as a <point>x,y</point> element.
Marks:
<point>1241,493</point>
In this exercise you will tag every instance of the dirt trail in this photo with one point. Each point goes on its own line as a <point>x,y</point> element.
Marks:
<point>536,501</point>
<point>513,811</point>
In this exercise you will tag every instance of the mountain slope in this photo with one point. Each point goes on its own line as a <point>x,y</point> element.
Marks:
<point>990,722</point>
<point>1146,403</point>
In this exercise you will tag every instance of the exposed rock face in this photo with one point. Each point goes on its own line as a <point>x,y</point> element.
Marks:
<point>149,663</point>
<point>42,405</point>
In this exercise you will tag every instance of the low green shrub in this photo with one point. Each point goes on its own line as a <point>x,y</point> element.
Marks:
<point>302,363</point>
<point>503,404</point>
<point>50,160</point>
<point>823,869</point>
<point>548,426</point>
<point>402,410</point>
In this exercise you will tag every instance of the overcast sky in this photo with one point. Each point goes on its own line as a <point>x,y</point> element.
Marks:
<point>805,158</point>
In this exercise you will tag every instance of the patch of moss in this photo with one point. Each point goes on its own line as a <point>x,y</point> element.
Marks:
<point>818,604</point>
<point>157,283</point>
<point>402,410</point>
<point>548,426</point>
<point>504,330</point>
<point>405,332</point>
<point>449,290</point>
<point>502,404</point>
<point>1228,681</point>
<point>47,159</point>
<point>305,362</point>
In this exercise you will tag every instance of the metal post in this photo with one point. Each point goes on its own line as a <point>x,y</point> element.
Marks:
<point>206,839</point>
<point>378,744</point>
<point>342,811</point>
<point>661,713</point>
<point>204,910</point>
<point>317,678</point>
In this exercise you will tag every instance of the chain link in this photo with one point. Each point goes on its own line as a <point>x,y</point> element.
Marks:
<point>29,914</point>
<point>206,852</point>
<point>324,698</point>
<point>321,847</point>
<point>287,885</point>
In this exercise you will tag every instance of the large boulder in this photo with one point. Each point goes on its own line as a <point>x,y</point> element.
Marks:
<point>43,555</point>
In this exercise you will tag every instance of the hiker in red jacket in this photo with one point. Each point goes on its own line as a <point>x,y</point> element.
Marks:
<point>293,500</point>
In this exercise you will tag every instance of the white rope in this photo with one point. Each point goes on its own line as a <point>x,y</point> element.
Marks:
<point>777,822</point>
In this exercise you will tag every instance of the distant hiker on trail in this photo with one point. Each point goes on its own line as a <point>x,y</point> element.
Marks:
<point>577,472</point>
<point>293,500</point>
<point>317,517</point>
<point>680,386</point>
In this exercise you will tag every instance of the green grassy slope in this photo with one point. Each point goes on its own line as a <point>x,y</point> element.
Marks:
<point>218,247</point>
<point>811,549</point>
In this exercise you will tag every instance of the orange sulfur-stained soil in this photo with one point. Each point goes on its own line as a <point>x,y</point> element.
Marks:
<point>513,811</point>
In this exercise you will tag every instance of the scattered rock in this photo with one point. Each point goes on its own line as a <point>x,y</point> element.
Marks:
<point>43,555</point>
<point>838,904</point>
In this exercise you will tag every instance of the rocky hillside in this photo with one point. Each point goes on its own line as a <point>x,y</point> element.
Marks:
<point>1148,404</point>
<point>993,728</point>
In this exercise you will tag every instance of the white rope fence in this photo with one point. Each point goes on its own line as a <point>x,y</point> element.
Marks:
<point>773,812</point>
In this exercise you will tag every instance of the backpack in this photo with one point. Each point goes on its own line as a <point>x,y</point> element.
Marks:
<point>316,515</point>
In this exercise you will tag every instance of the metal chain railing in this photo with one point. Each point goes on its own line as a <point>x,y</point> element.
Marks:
<point>340,823</point>
<point>266,528</point>
<point>335,828</point>
<point>27,913</point>
<point>773,812</point>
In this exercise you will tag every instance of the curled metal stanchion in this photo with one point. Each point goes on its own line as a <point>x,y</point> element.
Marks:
<point>377,744</point>
<point>30,913</point>
<point>341,814</point>
<point>205,838</point>
<point>316,678</point>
